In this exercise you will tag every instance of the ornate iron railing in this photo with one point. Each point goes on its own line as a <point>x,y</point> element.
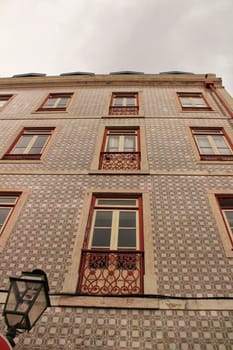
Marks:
<point>217,157</point>
<point>111,272</point>
<point>124,110</point>
<point>120,160</point>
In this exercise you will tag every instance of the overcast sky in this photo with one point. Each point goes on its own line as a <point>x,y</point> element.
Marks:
<point>56,36</point>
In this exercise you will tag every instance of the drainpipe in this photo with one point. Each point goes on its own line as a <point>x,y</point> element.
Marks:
<point>209,84</point>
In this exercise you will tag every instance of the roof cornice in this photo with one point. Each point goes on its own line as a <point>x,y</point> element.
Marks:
<point>103,80</point>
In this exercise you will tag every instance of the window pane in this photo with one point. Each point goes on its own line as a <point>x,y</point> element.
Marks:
<point>113,143</point>
<point>3,214</point>
<point>18,151</point>
<point>38,144</point>
<point>24,141</point>
<point>204,144</point>
<point>206,131</point>
<point>40,141</point>
<point>101,237</point>
<point>221,144</point>
<point>199,102</point>
<point>229,216</point>
<point>224,151</point>
<point>185,101</point>
<point>203,141</point>
<point>62,102</point>
<point>50,103</point>
<point>118,202</point>
<point>219,141</point>
<point>103,219</point>
<point>127,238</point>
<point>35,150</point>
<point>36,132</point>
<point>129,145</point>
<point>127,219</point>
<point>122,132</point>
<point>6,199</point>
<point>22,144</point>
<point>118,101</point>
<point>206,150</point>
<point>131,101</point>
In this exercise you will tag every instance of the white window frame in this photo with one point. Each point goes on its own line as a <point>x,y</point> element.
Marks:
<point>115,225</point>
<point>193,98</point>
<point>125,101</point>
<point>122,134</point>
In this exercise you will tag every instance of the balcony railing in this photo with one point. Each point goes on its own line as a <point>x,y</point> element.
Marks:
<point>124,110</point>
<point>217,157</point>
<point>120,160</point>
<point>111,272</point>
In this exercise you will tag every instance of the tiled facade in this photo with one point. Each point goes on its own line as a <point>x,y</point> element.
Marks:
<point>189,259</point>
<point>130,329</point>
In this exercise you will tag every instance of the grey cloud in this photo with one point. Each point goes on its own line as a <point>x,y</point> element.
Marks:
<point>55,36</point>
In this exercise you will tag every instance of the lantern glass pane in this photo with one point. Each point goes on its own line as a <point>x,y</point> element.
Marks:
<point>38,307</point>
<point>15,320</point>
<point>12,300</point>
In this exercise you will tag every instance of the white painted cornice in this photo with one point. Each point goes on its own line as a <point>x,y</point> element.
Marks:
<point>114,79</point>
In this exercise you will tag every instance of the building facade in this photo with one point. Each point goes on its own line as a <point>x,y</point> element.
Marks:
<point>120,188</point>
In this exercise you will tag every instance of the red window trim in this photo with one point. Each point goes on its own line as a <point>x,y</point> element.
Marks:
<point>96,196</point>
<point>6,98</point>
<point>193,94</point>
<point>124,110</point>
<point>134,256</point>
<point>11,205</point>
<point>218,196</point>
<point>9,156</point>
<point>58,95</point>
<point>138,140</point>
<point>212,157</point>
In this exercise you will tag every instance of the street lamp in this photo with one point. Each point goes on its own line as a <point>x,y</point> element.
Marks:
<point>26,301</point>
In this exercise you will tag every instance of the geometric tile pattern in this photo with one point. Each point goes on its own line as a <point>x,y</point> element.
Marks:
<point>92,101</point>
<point>168,143</point>
<point>188,254</point>
<point>91,329</point>
<point>189,258</point>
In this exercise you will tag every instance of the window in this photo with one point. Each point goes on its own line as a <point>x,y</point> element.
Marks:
<point>226,206</point>
<point>193,101</point>
<point>212,144</point>
<point>30,144</point>
<point>120,149</point>
<point>4,99</point>
<point>56,102</point>
<point>123,103</point>
<point>112,256</point>
<point>8,201</point>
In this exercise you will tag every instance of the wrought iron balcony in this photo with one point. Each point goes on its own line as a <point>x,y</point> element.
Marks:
<point>111,272</point>
<point>133,110</point>
<point>120,160</point>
